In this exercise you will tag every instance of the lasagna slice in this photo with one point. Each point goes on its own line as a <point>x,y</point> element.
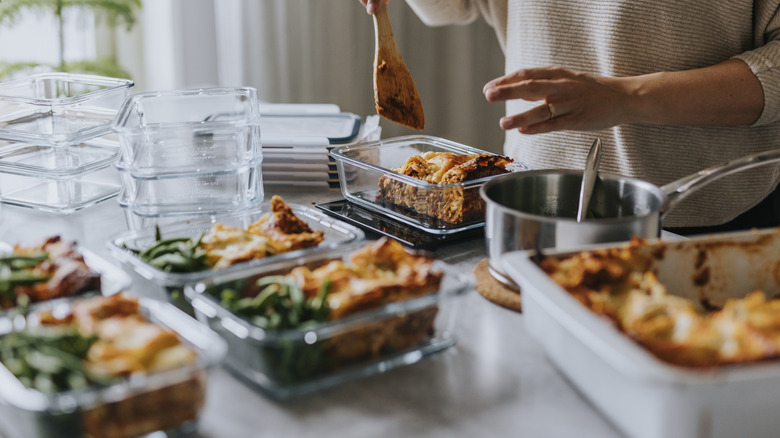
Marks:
<point>274,233</point>
<point>377,274</point>
<point>453,203</point>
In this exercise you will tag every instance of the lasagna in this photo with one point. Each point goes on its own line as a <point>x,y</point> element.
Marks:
<point>617,284</point>
<point>452,203</point>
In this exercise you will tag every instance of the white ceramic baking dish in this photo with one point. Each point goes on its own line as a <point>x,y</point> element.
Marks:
<point>640,394</point>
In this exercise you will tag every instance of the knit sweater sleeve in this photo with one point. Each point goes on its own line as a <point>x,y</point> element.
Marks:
<point>445,12</point>
<point>764,60</point>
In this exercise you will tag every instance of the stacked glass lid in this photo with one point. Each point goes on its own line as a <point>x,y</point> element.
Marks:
<point>55,154</point>
<point>189,152</point>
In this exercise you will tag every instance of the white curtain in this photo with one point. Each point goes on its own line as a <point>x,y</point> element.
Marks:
<point>321,51</point>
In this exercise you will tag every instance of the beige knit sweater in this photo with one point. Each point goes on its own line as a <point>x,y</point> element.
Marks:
<point>633,37</point>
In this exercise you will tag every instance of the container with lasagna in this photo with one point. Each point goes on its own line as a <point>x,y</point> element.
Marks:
<point>427,182</point>
<point>304,324</point>
<point>94,367</point>
<point>53,268</point>
<point>173,254</point>
<point>666,338</point>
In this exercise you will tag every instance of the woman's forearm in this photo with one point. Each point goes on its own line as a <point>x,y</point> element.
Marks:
<point>725,94</point>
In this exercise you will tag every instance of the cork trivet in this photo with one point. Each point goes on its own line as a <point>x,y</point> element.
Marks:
<point>493,290</point>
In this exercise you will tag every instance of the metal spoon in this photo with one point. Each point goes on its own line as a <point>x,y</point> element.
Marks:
<point>589,178</point>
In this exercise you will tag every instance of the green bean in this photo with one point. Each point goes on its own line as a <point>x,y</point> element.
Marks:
<point>16,261</point>
<point>49,359</point>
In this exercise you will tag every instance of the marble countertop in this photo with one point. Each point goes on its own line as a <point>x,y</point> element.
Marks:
<point>496,380</point>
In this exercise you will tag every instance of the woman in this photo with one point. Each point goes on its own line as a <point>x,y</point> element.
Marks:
<point>671,87</point>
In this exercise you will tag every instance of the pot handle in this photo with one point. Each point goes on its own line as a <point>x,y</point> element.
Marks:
<point>677,190</point>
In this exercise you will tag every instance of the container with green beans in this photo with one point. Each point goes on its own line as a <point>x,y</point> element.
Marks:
<point>288,343</point>
<point>279,305</point>
<point>178,254</point>
<point>49,359</point>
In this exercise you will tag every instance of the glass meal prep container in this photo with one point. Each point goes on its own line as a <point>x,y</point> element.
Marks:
<point>291,362</point>
<point>335,234</point>
<point>215,191</point>
<point>189,131</point>
<point>169,401</point>
<point>364,168</point>
<point>59,192</point>
<point>112,278</point>
<point>59,109</point>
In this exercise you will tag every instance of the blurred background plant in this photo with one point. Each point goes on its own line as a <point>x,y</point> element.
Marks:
<point>114,12</point>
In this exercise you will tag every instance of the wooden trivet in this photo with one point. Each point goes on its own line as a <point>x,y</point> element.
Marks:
<point>493,290</point>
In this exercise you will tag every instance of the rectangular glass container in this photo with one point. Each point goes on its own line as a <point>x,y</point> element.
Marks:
<point>293,362</point>
<point>59,109</point>
<point>642,395</point>
<point>30,159</point>
<point>60,192</point>
<point>186,131</point>
<point>216,191</point>
<point>26,413</point>
<point>335,233</point>
<point>361,167</point>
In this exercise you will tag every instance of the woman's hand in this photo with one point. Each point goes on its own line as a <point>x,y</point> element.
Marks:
<point>724,94</point>
<point>372,5</point>
<point>571,100</point>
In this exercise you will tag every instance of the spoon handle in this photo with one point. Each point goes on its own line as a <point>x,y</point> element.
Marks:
<point>589,178</point>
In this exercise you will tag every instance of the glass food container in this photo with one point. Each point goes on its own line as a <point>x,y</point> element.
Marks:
<point>364,168</point>
<point>189,131</point>
<point>59,191</point>
<point>180,392</point>
<point>59,109</point>
<point>207,192</point>
<point>293,362</point>
<point>336,233</point>
<point>112,279</point>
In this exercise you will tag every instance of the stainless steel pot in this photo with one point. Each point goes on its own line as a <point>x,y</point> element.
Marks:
<point>538,209</point>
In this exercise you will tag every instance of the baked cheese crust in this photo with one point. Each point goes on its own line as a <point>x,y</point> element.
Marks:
<point>617,284</point>
<point>274,233</point>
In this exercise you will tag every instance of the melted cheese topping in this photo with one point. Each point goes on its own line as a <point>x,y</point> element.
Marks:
<point>273,233</point>
<point>614,283</point>
<point>127,343</point>
<point>377,274</point>
<point>447,167</point>
<point>228,245</point>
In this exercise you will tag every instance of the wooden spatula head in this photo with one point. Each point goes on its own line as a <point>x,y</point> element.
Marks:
<point>395,94</point>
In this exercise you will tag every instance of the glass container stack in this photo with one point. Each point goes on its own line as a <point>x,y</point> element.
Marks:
<point>189,152</point>
<point>55,154</point>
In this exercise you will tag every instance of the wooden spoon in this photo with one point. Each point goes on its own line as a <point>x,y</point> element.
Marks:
<point>395,95</point>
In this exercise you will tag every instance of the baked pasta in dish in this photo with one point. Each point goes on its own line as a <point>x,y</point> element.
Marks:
<point>454,203</point>
<point>99,342</point>
<point>52,269</point>
<point>618,284</point>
